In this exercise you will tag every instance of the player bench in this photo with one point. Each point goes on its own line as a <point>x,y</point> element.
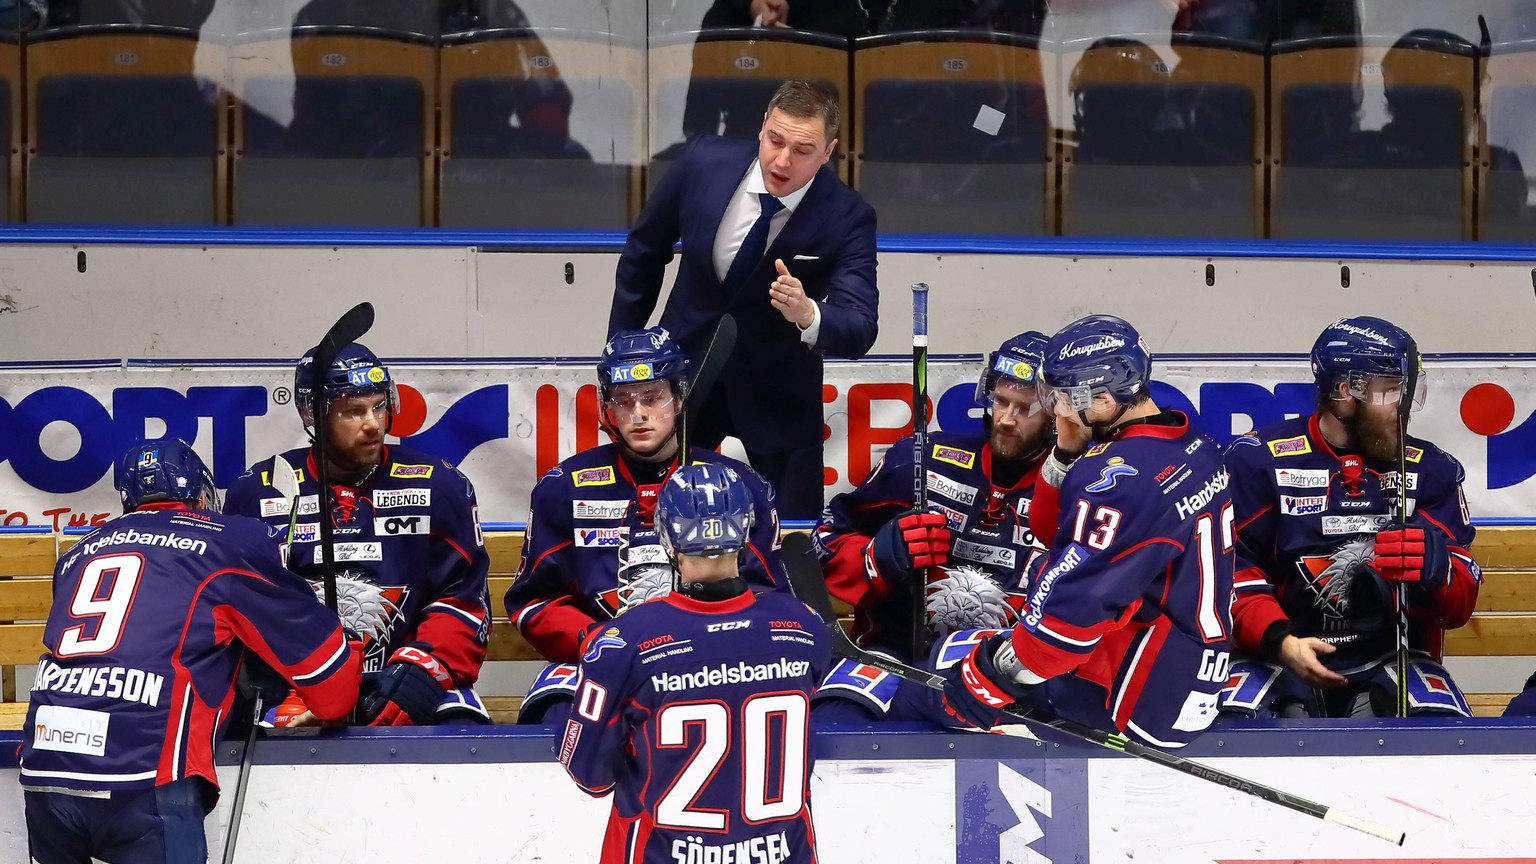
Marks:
<point>1504,625</point>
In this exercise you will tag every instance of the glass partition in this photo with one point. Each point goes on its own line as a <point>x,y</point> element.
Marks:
<point>1285,119</point>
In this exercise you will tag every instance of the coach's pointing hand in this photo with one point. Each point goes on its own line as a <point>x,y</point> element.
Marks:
<point>788,296</point>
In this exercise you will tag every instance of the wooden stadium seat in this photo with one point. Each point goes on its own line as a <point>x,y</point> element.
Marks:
<point>1167,137</point>
<point>1409,179</point>
<point>1504,625</point>
<point>334,126</point>
<point>919,157</point>
<point>1507,143</point>
<point>541,129</point>
<point>10,115</point>
<point>720,81</point>
<point>119,128</point>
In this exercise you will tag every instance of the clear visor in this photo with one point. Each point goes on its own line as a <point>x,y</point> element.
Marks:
<point>388,400</point>
<point>643,402</point>
<point>1380,389</point>
<point>1076,398</point>
<point>1010,395</point>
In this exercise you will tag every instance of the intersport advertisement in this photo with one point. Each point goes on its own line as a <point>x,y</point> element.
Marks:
<point>505,423</point>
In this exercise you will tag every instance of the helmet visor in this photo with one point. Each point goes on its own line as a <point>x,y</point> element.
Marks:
<point>1382,389</point>
<point>635,402</point>
<point>1078,398</point>
<point>1010,395</point>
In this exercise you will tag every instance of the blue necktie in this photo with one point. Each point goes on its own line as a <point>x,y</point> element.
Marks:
<point>753,246</point>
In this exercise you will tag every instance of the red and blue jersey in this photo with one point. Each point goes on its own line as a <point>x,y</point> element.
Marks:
<point>587,510</point>
<point>410,558</point>
<point>1136,593</point>
<point>152,615</point>
<point>1307,513</point>
<point>696,717</point>
<point>989,524</point>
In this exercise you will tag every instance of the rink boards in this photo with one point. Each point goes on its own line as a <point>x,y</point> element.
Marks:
<point>1462,791</point>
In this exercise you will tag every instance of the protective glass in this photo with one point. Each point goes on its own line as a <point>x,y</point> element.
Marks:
<point>1077,398</point>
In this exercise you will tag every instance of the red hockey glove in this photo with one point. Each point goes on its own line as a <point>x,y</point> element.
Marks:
<point>908,545</point>
<point>1406,553</point>
<point>976,691</point>
<point>407,691</point>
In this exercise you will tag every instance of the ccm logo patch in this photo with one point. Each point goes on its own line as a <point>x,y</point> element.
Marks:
<point>387,499</point>
<point>410,470</point>
<point>728,625</point>
<point>594,476</point>
<point>395,525</point>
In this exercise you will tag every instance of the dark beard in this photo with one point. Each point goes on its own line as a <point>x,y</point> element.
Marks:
<point>1377,442</point>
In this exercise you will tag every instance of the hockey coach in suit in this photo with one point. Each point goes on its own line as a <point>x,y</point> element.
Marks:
<point>771,236</point>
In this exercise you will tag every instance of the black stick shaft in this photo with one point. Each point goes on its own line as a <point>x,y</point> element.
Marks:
<point>919,450</point>
<point>349,328</point>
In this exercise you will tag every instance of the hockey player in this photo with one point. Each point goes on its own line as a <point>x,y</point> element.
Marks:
<point>411,561</point>
<point>1126,624</point>
<point>153,614</point>
<point>972,546</point>
<point>1321,550</point>
<point>592,546</point>
<point>693,708</point>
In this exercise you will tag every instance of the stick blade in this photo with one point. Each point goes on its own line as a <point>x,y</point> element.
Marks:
<point>349,328</point>
<point>805,578</point>
<point>284,479</point>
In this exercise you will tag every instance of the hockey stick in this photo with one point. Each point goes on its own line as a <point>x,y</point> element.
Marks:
<point>348,329</point>
<point>919,443</point>
<point>806,580</point>
<point>711,365</point>
<point>286,484</point>
<point>1404,405</point>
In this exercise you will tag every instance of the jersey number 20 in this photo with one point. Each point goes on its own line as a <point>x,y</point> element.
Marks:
<point>772,729</point>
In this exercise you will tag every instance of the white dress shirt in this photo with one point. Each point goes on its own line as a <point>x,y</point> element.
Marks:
<point>739,217</point>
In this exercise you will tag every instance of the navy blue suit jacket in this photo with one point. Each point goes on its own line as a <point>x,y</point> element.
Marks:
<point>773,380</point>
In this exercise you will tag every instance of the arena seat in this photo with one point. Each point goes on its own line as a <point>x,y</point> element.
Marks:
<point>720,81</point>
<point>334,126</point>
<point>1167,137</point>
<point>1371,139</point>
<point>920,159</point>
<point>541,129</point>
<point>10,124</point>
<point>120,130</point>
<point>1507,142</point>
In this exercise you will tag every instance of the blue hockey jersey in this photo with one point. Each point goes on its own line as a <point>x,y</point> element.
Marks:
<point>696,716</point>
<point>584,512</point>
<point>1306,514</point>
<point>1136,593</point>
<point>410,557</point>
<point>989,525</point>
<point>152,614</point>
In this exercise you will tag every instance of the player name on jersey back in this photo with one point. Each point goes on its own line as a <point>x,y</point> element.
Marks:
<point>112,682</point>
<point>767,849</point>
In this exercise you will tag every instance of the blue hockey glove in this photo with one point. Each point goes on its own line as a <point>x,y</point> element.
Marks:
<point>406,692</point>
<point>976,691</point>
<point>909,545</point>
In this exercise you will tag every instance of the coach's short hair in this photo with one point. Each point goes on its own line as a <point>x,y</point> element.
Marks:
<point>806,99</point>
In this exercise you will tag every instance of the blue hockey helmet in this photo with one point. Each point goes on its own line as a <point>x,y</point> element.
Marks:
<point>1093,355</point>
<point>1018,359</point>
<point>633,356</point>
<point>356,371</point>
<point>164,470</point>
<point>1376,360</point>
<point>704,509</point>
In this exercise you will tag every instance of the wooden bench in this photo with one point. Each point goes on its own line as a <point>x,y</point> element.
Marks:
<point>1504,624</point>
